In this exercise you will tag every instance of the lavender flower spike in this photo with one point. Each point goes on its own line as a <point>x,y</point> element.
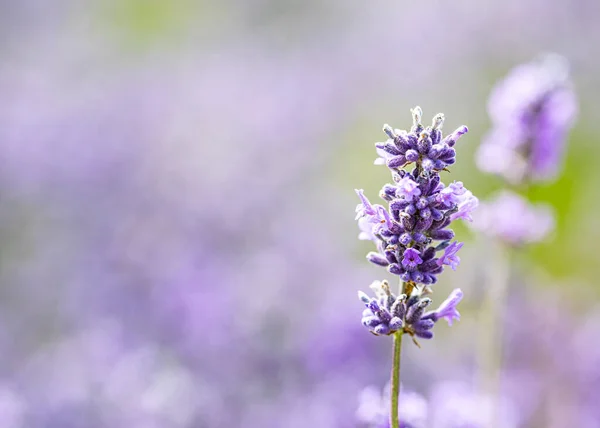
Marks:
<point>420,207</point>
<point>420,211</point>
<point>532,111</point>
<point>386,313</point>
<point>526,223</point>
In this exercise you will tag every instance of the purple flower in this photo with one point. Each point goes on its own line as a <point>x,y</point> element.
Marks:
<point>449,257</point>
<point>374,406</point>
<point>411,258</point>
<point>466,205</point>
<point>512,219</point>
<point>424,146</point>
<point>459,132</point>
<point>532,111</point>
<point>460,405</point>
<point>365,225</point>
<point>387,313</point>
<point>421,208</point>
<point>370,217</point>
<point>451,195</point>
<point>408,188</point>
<point>365,208</point>
<point>448,309</point>
<point>449,405</point>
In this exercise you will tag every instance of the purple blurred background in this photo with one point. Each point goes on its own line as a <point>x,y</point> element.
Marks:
<point>178,245</point>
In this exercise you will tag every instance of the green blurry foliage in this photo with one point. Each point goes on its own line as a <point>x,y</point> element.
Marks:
<point>144,23</point>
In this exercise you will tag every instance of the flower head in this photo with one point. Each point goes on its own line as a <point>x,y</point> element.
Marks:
<point>387,313</point>
<point>461,405</point>
<point>421,208</point>
<point>512,219</point>
<point>532,111</point>
<point>374,408</point>
<point>449,405</point>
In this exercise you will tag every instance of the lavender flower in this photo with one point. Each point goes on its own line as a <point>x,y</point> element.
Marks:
<point>465,206</point>
<point>369,216</point>
<point>373,408</point>
<point>449,405</point>
<point>421,208</point>
<point>387,313</point>
<point>449,257</point>
<point>512,219</point>
<point>454,405</point>
<point>532,111</point>
<point>448,309</point>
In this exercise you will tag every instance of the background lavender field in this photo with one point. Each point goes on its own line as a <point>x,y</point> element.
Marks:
<point>178,245</point>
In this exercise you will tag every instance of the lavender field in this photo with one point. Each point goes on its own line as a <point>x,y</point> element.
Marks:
<point>193,193</point>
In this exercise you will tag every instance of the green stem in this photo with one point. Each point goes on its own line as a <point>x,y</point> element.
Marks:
<point>491,332</point>
<point>394,423</point>
<point>395,387</point>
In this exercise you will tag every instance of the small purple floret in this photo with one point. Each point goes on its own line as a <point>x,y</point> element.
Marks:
<point>452,194</point>
<point>449,257</point>
<point>447,309</point>
<point>408,188</point>
<point>411,258</point>
<point>466,205</point>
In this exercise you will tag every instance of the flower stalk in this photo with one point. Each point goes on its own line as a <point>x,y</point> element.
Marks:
<point>395,376</point>
<point>491,323</point>
<point>395,380</point>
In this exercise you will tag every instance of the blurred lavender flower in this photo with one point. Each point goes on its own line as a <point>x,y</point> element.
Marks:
<point>531,353</point>
<point>421,208</point>
<point>94,379</point>
<point>587,370</point>
<point>447,309</point>
<point>512,219</point>
<point>450,405</point>
<point>374,407</point>
<point>119,230</point>
<point>532,110</point>
<point>457,405</point>
<point>386,314</point>
<point>13,407</point>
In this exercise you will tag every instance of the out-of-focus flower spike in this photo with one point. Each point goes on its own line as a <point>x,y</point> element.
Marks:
<point>532,111</point>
